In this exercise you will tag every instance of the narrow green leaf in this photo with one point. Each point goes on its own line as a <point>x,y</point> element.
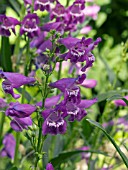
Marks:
<point>116,96</point>
<point>109,94</point>
<point>124,158</point>
<point>67,155</point>
<point>6,62</point>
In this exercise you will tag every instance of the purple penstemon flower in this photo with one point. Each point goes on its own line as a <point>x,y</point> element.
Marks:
<point>19,124</point>
<point>20,110</point>
<point>77,111</point>
<point>74,106</point>
<point>20,114</point>
<point>42,5</point>
<point>7,24</point>
<point>59,12</point>
<point>30,25</point>
<point>9,146</point>
<point>75,11</point>
<point>80,50</point>
<point>14,80</point>
<point>54,122</point>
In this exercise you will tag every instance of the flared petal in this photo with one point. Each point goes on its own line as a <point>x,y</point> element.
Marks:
<point>87,103</point>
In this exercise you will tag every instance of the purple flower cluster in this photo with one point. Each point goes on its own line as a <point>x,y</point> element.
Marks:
<point>72,106</point>
<point>80,50</point>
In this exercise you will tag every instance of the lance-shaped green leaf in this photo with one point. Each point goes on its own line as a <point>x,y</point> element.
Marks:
<point>124,158</point>
<point>6,62</point>
<point>67,155</point>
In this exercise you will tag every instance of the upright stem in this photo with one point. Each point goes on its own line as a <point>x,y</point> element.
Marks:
<point>16,148</point>
<point>67,3</point>
<point>40,141</point>
<point>59,73</point>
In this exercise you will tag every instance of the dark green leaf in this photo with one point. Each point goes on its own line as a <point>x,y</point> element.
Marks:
<point>67,155</point>
<point>110,94</point>
<point>116,96</point>
<point>124,158</point>
<point>6,62</point>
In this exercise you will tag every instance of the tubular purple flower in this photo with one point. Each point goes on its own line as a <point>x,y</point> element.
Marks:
<point>58,12</point>
<point>14,80</point>
<point>75,11</point>
<point>86,29</point>
<point>120,102</point>
<point>72,94</point>
<point>91,11</point>
<point>89,83</point>
<point>49,167</point>
<point>66,83</point>
<point>7,24</point>
<point>54,123</point>
<point>75,112</point>
<point>30,25</point>
<point>58,26</point>
<point>80,50</point>
<point>9,146</point>
<point>50,102</point>
<point>42,5</point>
<point>19,124</point>
<point>20,110</point>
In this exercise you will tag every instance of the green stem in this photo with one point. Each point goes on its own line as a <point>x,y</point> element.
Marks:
<point>17,148</point>
<point>1,126</point>
<point>59,73</point>
<point>27,58</point>
<point>40,141</point>
<point>67,3</point>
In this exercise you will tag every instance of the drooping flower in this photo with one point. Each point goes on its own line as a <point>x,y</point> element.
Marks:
<point>49,167</point>
<point>19,124</point>
<point>30,25</point>
<point>7,24</point>
<point>80,50</point>
<point>42,5</point>
<point>9,146</point>
<point>20,110</point>
<point>14,80</point>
